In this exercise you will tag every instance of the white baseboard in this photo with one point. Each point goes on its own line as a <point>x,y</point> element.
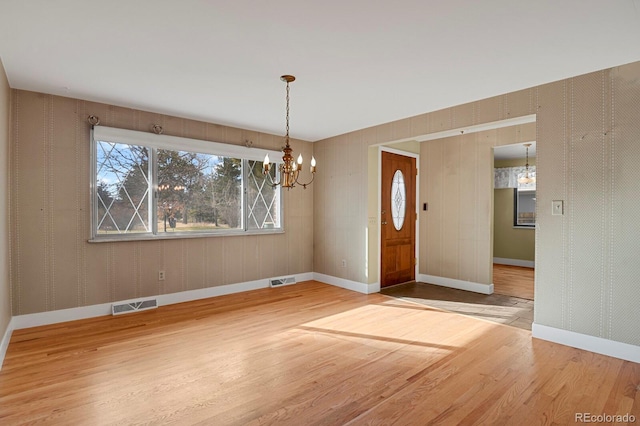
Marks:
<point>514,262</point>
<point>205,293</point>
<point>83,312</point>
<point>347,284</point>
<point>590,343</point>
<point>61,315</point>
<point>4,344</point>
<point>454,283</point>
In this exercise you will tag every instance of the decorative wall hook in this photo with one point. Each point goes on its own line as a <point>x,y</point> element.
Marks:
<point>93,120</point>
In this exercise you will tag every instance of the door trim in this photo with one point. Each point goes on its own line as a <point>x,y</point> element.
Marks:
<point>379,195</point>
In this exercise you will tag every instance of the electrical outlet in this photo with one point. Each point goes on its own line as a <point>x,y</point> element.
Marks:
<point>160,275</point>
<point>344,263</point>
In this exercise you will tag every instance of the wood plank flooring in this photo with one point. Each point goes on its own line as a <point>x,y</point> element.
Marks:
<point>498,308</point>
<point>513,281</point>
<point>307,354</point>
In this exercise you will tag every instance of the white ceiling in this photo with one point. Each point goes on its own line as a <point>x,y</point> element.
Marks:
<point>358,63</point>
<point>514,151</point>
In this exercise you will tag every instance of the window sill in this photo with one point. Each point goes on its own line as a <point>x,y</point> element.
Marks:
<point>180,235</point>
<point>524,227</point>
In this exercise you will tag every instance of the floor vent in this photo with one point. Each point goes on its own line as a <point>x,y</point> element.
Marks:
<point>277,282</point>
<point>135,306</point>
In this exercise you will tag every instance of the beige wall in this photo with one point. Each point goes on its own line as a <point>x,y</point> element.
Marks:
<point>587,271</point>
<point>510,242</point>
<point>456,181</point>
<point>588,151</point>
<point>5,292</point>
<point>55,266</point>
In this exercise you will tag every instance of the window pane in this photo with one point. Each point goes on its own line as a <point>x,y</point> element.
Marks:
<point>526,208</point>
<point>263,203</point>
<point>122,188</point>
<point>398,200</point>
<point>198,192</point>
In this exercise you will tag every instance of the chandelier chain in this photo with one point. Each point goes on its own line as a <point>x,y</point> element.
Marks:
<point>287,133</point>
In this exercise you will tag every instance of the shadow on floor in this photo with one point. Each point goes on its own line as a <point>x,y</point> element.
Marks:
<point>497,308</point>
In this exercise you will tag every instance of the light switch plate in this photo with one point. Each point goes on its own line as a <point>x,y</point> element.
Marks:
<point>557,208</point>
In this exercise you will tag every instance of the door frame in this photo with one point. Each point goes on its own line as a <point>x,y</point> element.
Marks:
<point>379,195</point>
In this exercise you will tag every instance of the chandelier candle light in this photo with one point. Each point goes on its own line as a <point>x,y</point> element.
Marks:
<point>289,169</point>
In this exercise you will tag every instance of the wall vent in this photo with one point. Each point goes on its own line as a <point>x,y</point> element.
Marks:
<point>277,282</point>
<point>134,306</point>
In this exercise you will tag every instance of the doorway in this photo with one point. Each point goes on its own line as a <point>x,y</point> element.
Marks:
<point>397,219</point>
<point>514,220</point>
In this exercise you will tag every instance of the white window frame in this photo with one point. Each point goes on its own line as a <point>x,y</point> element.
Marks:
<point>175,143</point>
<point>516,208</point>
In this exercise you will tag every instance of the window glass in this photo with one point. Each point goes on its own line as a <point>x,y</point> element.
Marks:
<point>198,192</point>
<point>524,207</point>
<point>262,199</point>
<point>122,188</point>
<point>398,200</point>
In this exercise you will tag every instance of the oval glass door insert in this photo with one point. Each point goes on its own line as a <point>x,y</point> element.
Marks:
<point>398,200</point>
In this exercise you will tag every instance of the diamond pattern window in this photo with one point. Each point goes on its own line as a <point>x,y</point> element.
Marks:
<point>122,188</point>
<point>155,186</point>
<point>398,200</point>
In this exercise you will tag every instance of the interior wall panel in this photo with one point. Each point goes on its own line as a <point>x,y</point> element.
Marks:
<point>123,265</point>
<point>587,205</point>
<point>6,181</point>
<point>451,214</point>
<point>433,182</point>
<point>148,267</point>
<point>552,164</point>
<point>195,263</point>
<point>215,272</point>
<point>624,243</point>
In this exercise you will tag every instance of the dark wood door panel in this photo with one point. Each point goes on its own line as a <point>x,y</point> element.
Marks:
<point>398,245</point>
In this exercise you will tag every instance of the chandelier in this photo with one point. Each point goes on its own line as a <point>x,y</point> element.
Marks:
<point>289,169</point>
<point>526,178</point>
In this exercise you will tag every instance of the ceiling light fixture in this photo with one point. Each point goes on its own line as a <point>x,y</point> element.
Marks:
<point>289,169</point>
<point>526,178</point>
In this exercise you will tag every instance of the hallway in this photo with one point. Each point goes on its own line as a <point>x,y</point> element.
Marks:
<point>513,281</point>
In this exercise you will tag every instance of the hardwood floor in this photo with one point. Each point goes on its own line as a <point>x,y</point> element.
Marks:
<point>307,354</point>
<point>498,308</point>
<point>513,281</point>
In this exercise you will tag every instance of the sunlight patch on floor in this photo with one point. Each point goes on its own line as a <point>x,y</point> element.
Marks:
<point>387,323</point>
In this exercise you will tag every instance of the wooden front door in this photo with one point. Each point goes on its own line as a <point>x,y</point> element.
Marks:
<point>398,219</point>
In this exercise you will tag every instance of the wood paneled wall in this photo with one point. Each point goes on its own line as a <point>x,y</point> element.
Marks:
<point>5,292</point>
<point>588,155</point>
<point>54,267</point>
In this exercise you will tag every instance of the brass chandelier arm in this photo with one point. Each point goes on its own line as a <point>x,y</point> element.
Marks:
<point>304,185</point>
<point>294,175</point>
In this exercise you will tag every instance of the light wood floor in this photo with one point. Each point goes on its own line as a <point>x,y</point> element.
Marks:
<point>499,308</point>
<point>513,281</point>
<point>307,354</point>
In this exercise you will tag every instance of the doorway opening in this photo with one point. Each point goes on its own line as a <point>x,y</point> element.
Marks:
<point>514,220</point>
